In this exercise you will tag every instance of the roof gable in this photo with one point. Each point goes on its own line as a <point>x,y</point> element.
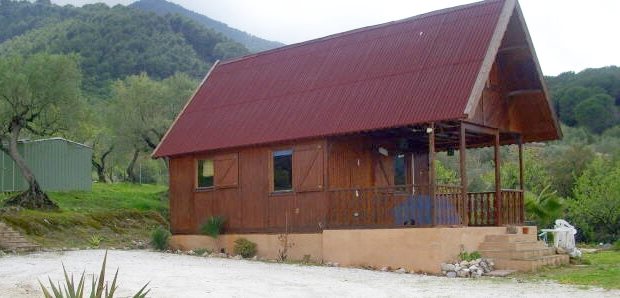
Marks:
<point>420,69</point>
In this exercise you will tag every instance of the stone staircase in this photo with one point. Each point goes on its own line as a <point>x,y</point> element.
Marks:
<point>12,240</point>
<point>521,252</point>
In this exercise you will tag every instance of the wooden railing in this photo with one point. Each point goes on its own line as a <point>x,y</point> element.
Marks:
<point>393,206</point>
<point>482,205</point>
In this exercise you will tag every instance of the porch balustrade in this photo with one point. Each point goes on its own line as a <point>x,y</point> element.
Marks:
<point>411,205</point>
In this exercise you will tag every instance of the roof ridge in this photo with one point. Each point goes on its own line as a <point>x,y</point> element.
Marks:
<point>362,29</point>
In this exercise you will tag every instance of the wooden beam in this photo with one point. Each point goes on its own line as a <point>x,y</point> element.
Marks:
<point>431,170</point>
<point>520,47</point>
<point>477,128</point>
<point>498,183</point>
<point>524,92</point>
<point>463,168</point>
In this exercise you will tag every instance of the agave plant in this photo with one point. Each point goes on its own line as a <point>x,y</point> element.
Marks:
<point>99,287</point>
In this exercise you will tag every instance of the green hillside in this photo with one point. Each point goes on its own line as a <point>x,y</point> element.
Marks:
<point>113,42</point>
<point>163,7</point>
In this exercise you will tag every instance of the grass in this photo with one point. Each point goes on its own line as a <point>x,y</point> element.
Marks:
<point>117,213</point>
<point>603,271</point>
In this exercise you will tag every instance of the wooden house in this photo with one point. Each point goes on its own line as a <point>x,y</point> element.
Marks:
<point>339,135</point>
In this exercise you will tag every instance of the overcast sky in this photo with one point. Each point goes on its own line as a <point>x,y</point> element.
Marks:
<point>568,35</point>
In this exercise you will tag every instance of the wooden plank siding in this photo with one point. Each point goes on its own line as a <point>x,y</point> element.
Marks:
<point>242,195</point>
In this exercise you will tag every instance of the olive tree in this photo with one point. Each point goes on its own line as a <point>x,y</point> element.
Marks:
<point>39,96</point>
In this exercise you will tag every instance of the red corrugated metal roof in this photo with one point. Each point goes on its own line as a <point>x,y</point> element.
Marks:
<point>411,71</point>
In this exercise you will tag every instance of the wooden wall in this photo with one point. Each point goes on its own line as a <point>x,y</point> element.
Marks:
<point>242,192</point>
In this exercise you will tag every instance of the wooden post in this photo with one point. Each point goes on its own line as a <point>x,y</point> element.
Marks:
<point>521,168</point>
<point>498,183</point>
<point>431,169</point>
<point>521,182</point>
<point>463,168</point>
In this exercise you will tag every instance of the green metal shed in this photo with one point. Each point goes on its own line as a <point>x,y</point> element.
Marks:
<point>58,164</point>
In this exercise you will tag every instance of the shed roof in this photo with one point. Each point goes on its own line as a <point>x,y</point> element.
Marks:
<point>415,70</point>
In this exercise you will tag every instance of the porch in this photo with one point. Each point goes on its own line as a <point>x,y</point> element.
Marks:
<point>419,200</point>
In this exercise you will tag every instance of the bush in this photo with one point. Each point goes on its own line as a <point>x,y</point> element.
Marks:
<point>213,226</point>
<point>595,210</point>
<point>160,238</point>
<point>469,256</point>
<point>616,246</point>
<point>245,248</point>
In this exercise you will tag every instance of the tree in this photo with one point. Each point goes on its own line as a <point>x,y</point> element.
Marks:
<point>597,113</point>
<point>39,95</point>
<point>596,205</point>
<point>143,109</point>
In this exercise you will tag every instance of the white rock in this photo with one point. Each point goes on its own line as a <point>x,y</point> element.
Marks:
<point>238,257</point>
<point>462,273</point>
<point>206,254</point>
<point>448,267</point>
<point>255,258</point>
<point>384,269</point>
<point>451,274</point>
<point>401,270</point>
<point>473,268</point>
<point>336,264</point>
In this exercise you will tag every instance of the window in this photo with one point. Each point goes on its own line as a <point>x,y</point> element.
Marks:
<point>400,174</point>
<point>205,173</point>
<point>282,170</point>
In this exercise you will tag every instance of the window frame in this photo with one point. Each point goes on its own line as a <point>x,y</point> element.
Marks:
<point>197,186</point>
<point>271,175</point>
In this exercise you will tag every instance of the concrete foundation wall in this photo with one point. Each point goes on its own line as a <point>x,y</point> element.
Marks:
<point>418,249</point>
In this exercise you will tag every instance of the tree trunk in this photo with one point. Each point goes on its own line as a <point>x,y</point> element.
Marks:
<point>131,175</point>
<point>33,197</point>
<point>100,166</point>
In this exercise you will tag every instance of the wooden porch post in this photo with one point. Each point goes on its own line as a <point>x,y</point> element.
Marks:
<point>498,183</point>
<point>521,168</point>
<point>521,182</point>
<point>431,169</point>
<point>463,168</point>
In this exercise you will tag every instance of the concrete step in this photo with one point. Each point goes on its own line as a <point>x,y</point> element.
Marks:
<point>511,238</point>
<point>512,245</point>
<point>518,254</point>
<point>13,240</point>
<point>532,264</point>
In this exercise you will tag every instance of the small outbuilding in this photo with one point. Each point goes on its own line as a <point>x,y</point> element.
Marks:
<point>58,164</point>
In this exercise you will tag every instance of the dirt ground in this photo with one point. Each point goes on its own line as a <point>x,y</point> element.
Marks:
<point>191,276</point>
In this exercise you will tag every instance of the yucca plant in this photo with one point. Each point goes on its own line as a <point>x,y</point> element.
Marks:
<point>99,287</point>
<point>213,226</point>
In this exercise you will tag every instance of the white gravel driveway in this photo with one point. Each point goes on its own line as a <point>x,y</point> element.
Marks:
<point>189,276</point>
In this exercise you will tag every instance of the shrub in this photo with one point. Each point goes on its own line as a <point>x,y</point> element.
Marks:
<point>95,240</point>
<point>469,256</point>
<point>213,226</point>
<point>245,248</point>
<point>616,246</point>
<point>160,238</point>
<point>99,287</point>
<point>201,251</point>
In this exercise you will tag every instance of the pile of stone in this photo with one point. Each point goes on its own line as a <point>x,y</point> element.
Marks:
<point>475,268</point>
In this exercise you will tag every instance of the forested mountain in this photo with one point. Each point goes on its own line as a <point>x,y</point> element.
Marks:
<point>163,7</point>
<point>589,99</point>
<point>112,42</point>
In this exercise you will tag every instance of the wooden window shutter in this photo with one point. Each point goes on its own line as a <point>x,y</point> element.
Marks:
<point>226,170</point>
<point>308,168</point>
